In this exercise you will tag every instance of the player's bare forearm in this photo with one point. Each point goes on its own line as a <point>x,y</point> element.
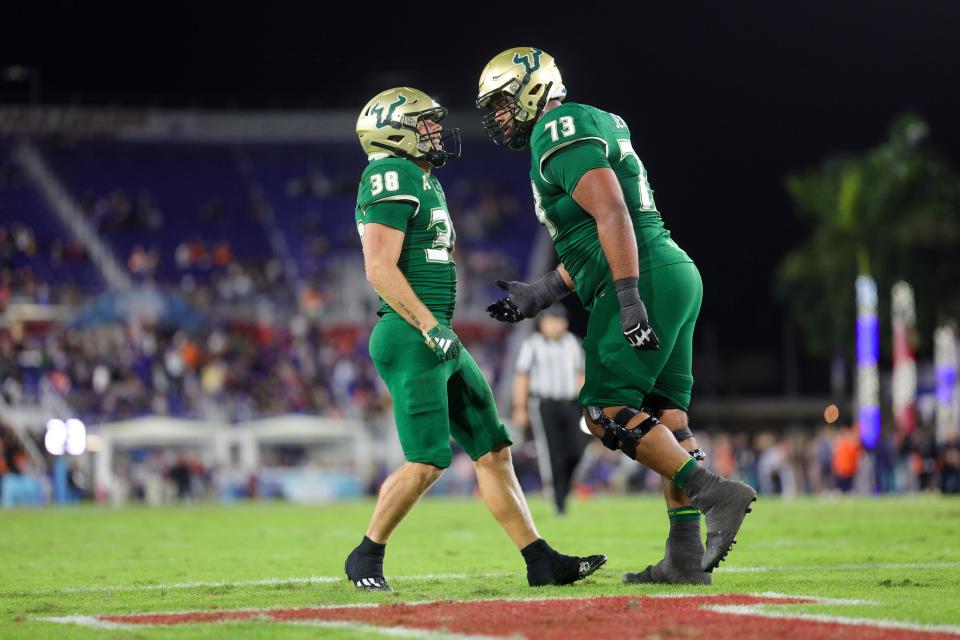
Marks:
<point>521,394</point>
<point>521,390</point>
<point>619,245</point>
<point>598,193</point>
<point>381,249</point>
<point>393,287</point>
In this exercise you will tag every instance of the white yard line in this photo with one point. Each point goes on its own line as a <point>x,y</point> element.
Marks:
<point>766,594</point>
<point>87,621</point>
<point>266,582</point>
<point>366,630</point>
<point>760,610</point>
<point>848,602</point>
<point>363,630</point>
<point>261,582</point>
<point>842,567</point>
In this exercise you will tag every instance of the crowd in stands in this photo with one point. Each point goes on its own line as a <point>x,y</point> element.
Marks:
<point>205,270</point>
<point>13,457</point>
<point>826,461</point>
<point>35,267</point>
<point>229,369</point>
<point>801,462</point>
<point>154,477</point>
<point>239,367</point>
<point>210,273</point>
<point>20,483</point>
<point>232,373</point>
<point>20,279</point>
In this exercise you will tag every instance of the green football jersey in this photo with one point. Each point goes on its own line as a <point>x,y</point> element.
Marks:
<point>573,230</point>
<point>426,258</point>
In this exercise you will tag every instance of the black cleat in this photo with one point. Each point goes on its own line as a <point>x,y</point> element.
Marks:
<point>565,570</point>
<point>355,570</point>
<point>589,565</point>
<point>376,583</point>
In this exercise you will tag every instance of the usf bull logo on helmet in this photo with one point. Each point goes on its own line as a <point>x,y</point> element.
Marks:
<point>392,123</point>
<point>526,78</point>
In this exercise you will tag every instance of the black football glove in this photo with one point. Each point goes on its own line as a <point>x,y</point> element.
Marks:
<point>527,300</point>
<point>504,310</point>
<point>633,317</point>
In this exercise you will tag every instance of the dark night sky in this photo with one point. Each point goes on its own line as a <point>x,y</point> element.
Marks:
<point>724,99</point>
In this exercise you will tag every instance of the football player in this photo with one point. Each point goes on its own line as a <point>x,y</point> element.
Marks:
<point>643,292</point>
<point>438,390</point>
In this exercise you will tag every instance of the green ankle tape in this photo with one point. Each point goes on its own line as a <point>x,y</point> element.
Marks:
<point>683,514</point>
<point>680,477</point>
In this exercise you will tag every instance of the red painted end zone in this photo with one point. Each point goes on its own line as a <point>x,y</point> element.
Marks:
<point>561,619</point>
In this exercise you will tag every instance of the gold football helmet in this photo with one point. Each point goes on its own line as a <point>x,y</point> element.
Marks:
<point>527,78</point>
<point>390,125</point>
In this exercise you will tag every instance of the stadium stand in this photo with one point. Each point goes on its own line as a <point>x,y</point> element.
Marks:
<point>248,301</point>
<point>38,262</point>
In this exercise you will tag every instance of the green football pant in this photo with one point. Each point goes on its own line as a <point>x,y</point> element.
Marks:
<point>617,374</point>
<point>434,401</point>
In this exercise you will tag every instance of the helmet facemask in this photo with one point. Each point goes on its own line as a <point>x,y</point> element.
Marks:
<point>439,146</point>
<point>521,119</point>
<point>436,148</point>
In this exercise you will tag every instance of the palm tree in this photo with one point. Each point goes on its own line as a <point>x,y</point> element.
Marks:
<point>892,212</point>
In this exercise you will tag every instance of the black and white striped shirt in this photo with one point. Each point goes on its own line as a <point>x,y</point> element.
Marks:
<point>553,365</point>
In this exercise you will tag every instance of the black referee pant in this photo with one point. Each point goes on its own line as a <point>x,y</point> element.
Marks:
<point>560,444</point>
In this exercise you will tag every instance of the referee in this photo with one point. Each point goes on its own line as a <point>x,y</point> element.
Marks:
<point>549,375</point>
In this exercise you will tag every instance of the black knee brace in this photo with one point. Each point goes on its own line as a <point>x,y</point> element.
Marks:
<point>616,435</point>
<point>684,433</point>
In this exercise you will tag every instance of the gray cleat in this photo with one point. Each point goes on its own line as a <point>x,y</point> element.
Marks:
<point>724,504</point>
<point>674,568</point>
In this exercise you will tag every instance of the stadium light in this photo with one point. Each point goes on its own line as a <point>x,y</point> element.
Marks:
<point>831,413</point>
<point>868,352</point>
<point>76,437</point>
<point>904,319</point>
<point>68,437</point>
<point>946,360</point>
<point>94,442</point>
<point>55,439</point>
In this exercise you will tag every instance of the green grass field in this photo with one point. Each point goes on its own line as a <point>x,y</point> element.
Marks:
<point>902,554</point>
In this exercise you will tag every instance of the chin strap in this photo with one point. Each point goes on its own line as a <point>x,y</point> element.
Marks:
<point>436,158</point>
<point>521,137</point>
<point>400,153</point>
<point>542,103</point>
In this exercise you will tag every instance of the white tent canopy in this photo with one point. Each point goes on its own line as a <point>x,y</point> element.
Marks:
<point>348,440</point>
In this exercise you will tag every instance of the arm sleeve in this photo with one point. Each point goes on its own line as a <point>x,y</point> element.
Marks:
<point>566,166</point>
<point>525,359</point>
<point>392,213</point>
